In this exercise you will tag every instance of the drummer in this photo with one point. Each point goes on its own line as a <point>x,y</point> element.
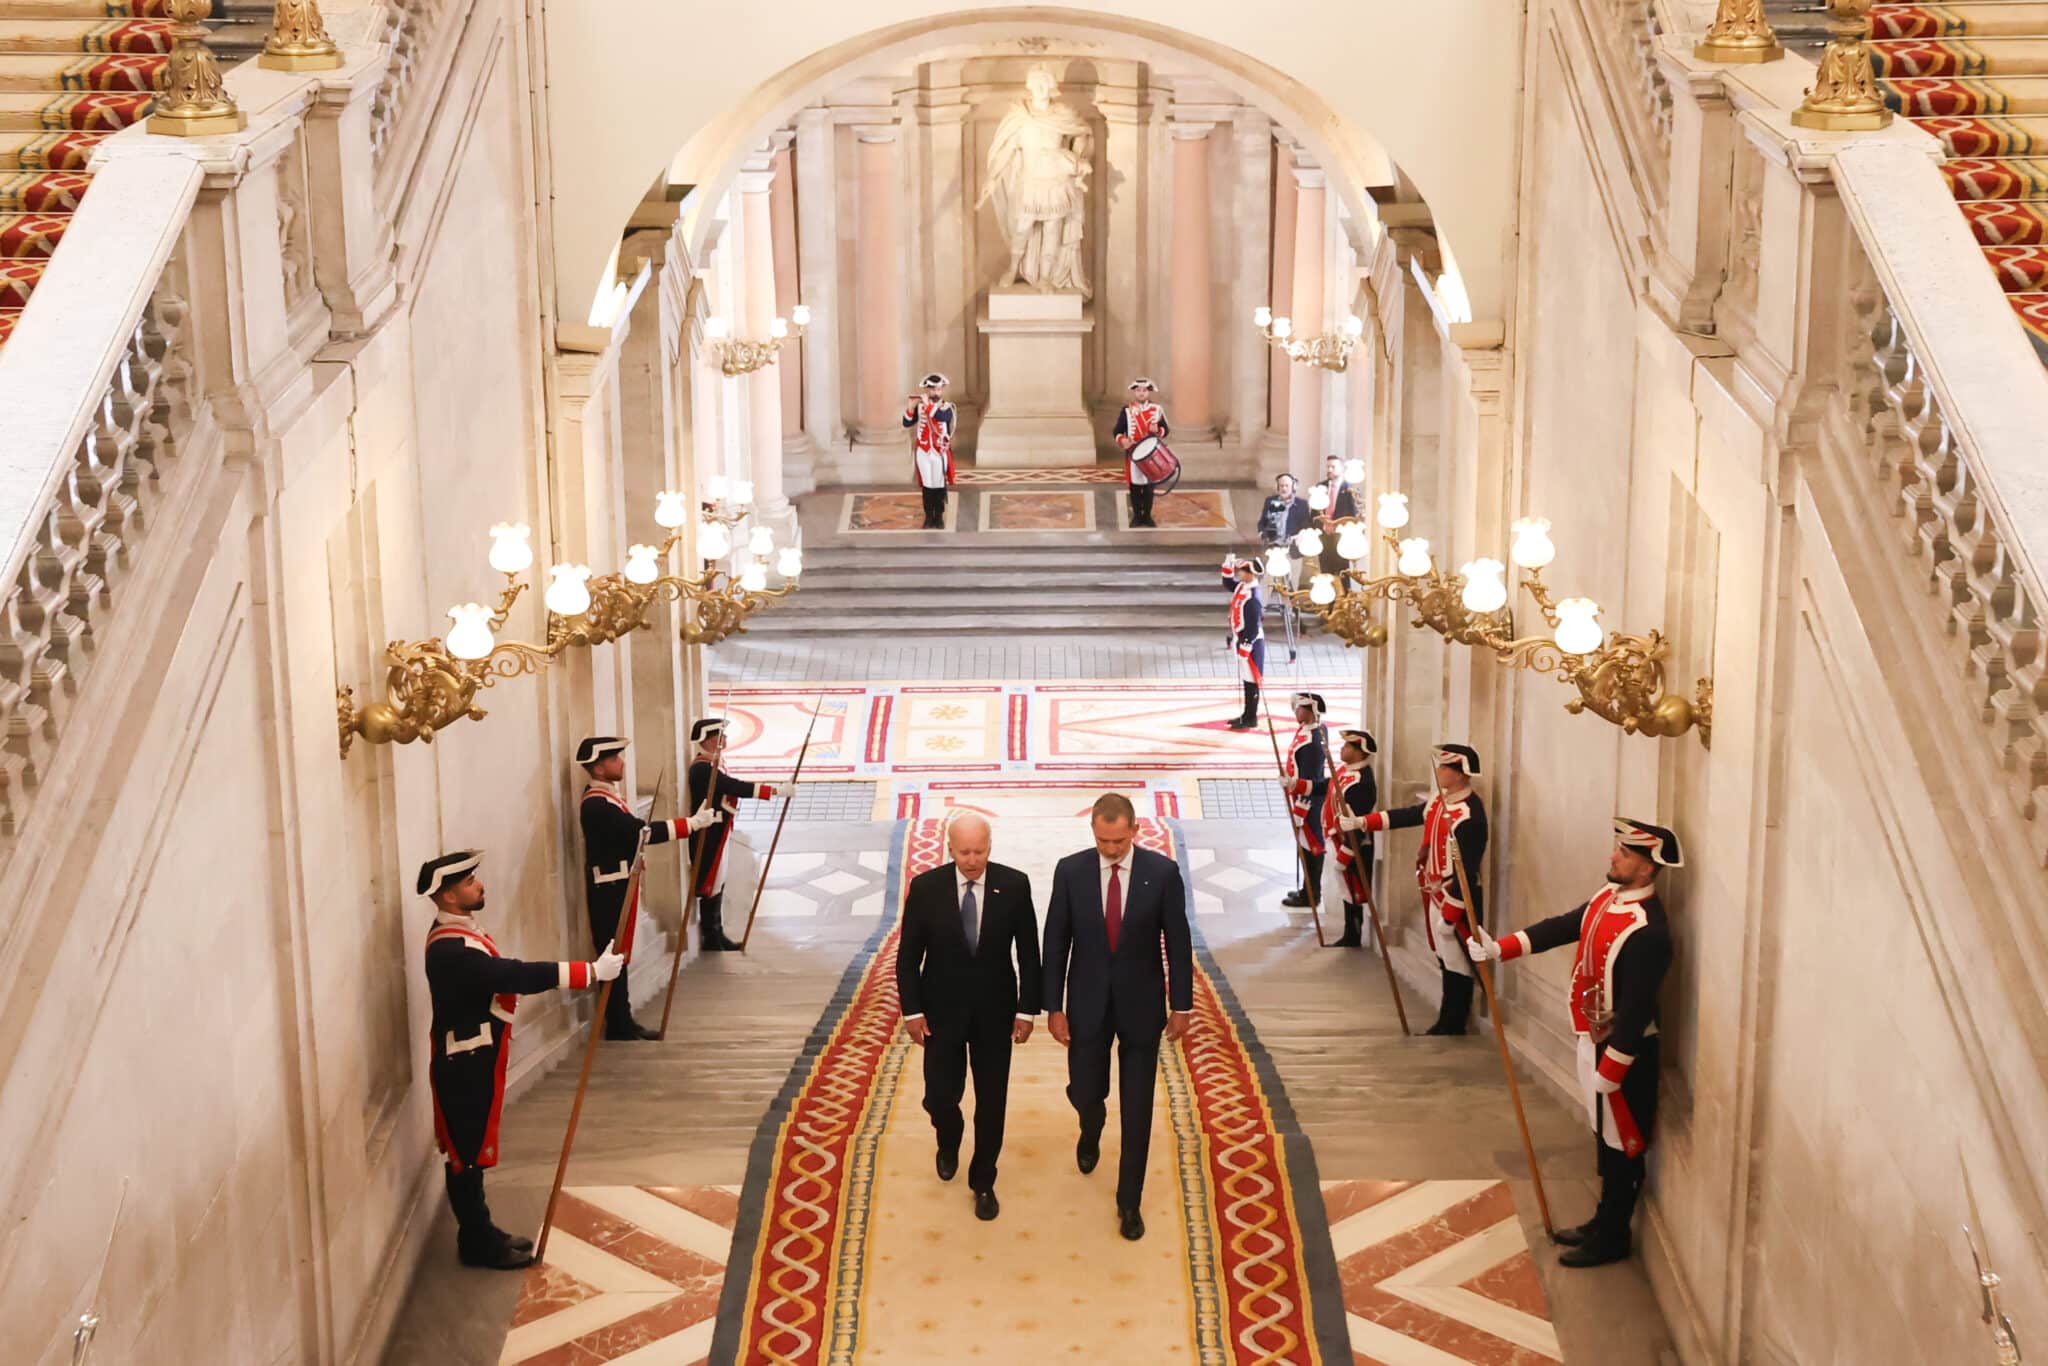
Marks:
<point>1141,418</point>
<point>929,416</point>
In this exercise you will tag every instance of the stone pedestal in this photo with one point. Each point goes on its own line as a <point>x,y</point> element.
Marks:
<point>1035,414</point>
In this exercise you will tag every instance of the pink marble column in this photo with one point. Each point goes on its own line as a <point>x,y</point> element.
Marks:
<point>1192,378</point>
<point>878,289</point>
<point>788,289</point>
<point>1279,376</point>
<point>1305,394</point>
<point>764,386</point>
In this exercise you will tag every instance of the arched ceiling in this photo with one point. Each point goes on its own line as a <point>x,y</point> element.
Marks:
<point>1432,84</point>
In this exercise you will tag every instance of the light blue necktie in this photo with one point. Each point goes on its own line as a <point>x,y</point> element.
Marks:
<point>970,918</point>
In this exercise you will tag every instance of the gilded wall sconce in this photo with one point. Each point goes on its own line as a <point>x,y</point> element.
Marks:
<point>1326,350</point>
<point>741,356</point>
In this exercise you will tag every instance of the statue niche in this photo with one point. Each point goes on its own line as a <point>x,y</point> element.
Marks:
<point>1037,174</point>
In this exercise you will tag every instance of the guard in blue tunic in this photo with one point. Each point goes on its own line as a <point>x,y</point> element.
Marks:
<point>930,420</point>
<point>1308,788</point>
<point>611,840</point>
<point>712,788</point>
<point>1247,633</point>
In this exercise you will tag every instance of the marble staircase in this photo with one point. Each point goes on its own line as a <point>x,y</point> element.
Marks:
<point>982,586</point>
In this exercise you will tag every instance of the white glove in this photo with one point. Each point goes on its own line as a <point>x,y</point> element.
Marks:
<point>608,965</point>
<point>1350,822</point>
<point>1482,946</point>
<point>1230,564</point>
<point>704,818</point>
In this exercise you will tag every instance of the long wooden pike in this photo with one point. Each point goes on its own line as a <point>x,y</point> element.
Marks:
<point>604,997</point>
<point>780,821</point>
<point>675,969</point>
<point>1500,1037</point>
<point>1315,894</point>
<point>1379,934</point>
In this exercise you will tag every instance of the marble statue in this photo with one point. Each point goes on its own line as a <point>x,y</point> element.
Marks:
<point>1038,169</point>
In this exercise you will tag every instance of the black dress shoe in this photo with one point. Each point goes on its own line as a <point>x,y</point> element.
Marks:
<point>496,1257</point>
<point>1243,723</point>
<point>1573,1237</point>
<point>1596,1252</point>
<point>1087,1153</point>
<point>1296,897</point>
<point>1131,1224</point>
<point>985,1206</point>
<point>517,1244</point>
<point>635,1033</point>
<point>949,1163</point>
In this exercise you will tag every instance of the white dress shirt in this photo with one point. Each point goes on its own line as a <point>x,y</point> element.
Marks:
<point>1123,882</point>
<point>961,882</point>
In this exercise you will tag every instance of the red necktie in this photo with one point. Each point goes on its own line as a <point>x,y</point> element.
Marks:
<point>1113,907</point>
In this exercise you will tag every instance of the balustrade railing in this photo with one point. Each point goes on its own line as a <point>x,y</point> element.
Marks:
<point>1950,420</point>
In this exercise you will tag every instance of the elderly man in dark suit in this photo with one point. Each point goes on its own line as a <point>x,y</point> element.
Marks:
<point>1112,907</point>
<point>963,998</point>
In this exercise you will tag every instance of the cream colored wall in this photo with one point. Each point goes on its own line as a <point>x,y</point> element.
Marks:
<point>612,69</point>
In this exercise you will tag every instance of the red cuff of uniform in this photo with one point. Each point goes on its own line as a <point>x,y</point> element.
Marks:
<point>1452,912</point>
<point>1613,1067</point>
<point>1376,820</point>
<point>764,792</point>
<point>1514,946</point>
<point>1298,788</point>
<point>677,828</point>
<point>572,976</point>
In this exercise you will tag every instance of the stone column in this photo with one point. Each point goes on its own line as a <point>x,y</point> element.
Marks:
<point>1280,294</point>
<point>797,475</point>
<point>817,265</point>
<point>1305,390</point>
<point>1252,250</point>
<point>757,297</point>
<point>878,287</point>
<point>1120,289</point>
<point>944,333</point>
<point>1191,381</point>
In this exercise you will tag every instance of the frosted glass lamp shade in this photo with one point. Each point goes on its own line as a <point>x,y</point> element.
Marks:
<point>717,488</point>
<point>1532,548</point>
<point>1414,560</point>
<point>1354,328</point>
<point>670,511</point>
<point>1322,590</point>
<point>1319,498</point>
<point>1309,542</point>
<point>717,328</point>
<point>641,565</point>
<point>470,637</point>
<point>790,563</point>
<point>1283,328</point>
<point>779,328</point>
<point>1354,471</point>
<point>1485,590</point>
<point>754,578</point>
<point>1352,542</point>
<point>511,547</point>
<point>569,590</point>
<point>1276,562</point>
<point>743,493</point>
<point>761,542</point>
<point>1393,513</point>
<point>714,542</point>
<point>801,315</point>
<point>1578,633</point>
<point>1262,316</point>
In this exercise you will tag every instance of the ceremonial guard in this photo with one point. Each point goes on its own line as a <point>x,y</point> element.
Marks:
<point>1308,790</point>
<point>1624,948</point>
<point>1454,818</point>
<point>1141,417</point>
<point>712,788</point>
<point>611,841</point>
<point>474,990</point>
<point>1357,792</point>
<point>1247,633</point>
<point>930,418</point>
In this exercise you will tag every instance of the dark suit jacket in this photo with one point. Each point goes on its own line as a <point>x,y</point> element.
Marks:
<point>936,976</point>
<point>1085,980</point>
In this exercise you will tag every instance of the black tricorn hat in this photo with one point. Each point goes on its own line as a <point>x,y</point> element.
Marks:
<point>1310,699</point>
<point>1362,738</point>
<point>447,870</point>
<point>704,727</point>
<point>597,746</point>
<point>1464,758</point>
<point>1660,844</point>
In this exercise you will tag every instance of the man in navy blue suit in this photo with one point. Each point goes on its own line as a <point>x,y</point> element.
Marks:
<point>1112,907</point>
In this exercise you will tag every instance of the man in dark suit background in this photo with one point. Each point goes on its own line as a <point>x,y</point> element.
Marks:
<point>1111,908</point>
<point>962,997</point>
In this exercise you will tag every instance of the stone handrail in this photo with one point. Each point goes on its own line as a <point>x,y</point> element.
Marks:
<point>95,402</point>
<point>419,38</point>
<point>1953,404</point>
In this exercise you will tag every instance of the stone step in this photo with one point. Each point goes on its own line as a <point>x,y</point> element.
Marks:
<point>1040,621</point>
<point>1210,540</point>
<point>1119,582</point>
<point>1021,557</point>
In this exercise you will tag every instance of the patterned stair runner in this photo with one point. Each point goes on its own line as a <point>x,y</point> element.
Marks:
<point>1975,76</point>
<point>71,73</point>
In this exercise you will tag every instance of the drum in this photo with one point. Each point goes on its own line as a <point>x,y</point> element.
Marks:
<point>1159,465</point>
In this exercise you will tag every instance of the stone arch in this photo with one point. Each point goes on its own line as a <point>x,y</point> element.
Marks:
<point>1460,158</point>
